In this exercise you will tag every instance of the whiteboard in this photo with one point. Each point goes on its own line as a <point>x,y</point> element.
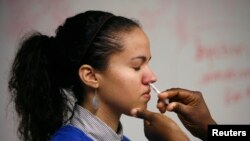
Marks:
<point>196,44</point>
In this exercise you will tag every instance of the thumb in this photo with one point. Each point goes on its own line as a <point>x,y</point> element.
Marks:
<point>177,107</point>
<point>143,114</point>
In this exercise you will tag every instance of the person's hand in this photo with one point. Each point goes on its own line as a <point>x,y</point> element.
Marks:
<point>158,127</point>
<point>190,108</point>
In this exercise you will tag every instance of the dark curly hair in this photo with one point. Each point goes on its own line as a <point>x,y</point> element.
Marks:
<point>45,69</point>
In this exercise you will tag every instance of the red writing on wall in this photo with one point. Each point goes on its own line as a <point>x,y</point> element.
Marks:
<point>204,52</point>
<point>225,75</point>
<point>232,96</point>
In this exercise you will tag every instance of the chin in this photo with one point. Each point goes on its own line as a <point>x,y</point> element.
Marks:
<point>141,106</point>
<point>144,107</point>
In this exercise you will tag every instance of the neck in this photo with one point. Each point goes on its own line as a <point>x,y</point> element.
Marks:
<point>109,117</point>
<point>104,113</point>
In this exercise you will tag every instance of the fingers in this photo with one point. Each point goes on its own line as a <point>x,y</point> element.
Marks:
<point>161,106</point>
<point>174,106</point>
<point>179,95</point>
<point>178,108</point>
<point>174,92</point>
<point>143,114</point>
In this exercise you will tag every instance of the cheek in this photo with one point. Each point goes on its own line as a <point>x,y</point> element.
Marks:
<point>125,84</point>
<point>123,89</point>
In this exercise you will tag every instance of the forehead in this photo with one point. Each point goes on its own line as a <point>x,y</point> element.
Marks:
<point>135,43</point>
<point>135,40</point>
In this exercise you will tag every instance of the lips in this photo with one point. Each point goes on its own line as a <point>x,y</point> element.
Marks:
<point>146,94</point>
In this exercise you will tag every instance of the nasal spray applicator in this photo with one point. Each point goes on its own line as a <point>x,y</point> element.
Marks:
<point>158,92</point>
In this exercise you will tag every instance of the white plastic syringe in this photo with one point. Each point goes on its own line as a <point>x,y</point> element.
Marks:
<point>158,92</point>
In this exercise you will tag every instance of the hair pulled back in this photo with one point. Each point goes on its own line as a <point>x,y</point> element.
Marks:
<point>45,69</point>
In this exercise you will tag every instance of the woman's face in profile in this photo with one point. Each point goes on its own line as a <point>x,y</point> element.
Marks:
<point>124,84</point>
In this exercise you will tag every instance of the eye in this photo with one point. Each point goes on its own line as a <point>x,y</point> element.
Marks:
<point>137,68</point>
<point>137,63</point>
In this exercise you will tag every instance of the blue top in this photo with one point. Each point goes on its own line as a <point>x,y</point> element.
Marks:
<point>71,133</point>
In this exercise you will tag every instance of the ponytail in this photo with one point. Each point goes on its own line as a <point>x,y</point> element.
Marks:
<point>39,101</point>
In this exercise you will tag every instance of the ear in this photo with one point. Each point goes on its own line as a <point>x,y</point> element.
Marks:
<point>88,76</point>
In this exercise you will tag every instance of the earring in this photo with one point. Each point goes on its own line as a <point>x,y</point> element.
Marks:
<point>95,101</point>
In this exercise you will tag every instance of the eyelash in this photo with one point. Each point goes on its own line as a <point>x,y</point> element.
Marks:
<point>137,68</point>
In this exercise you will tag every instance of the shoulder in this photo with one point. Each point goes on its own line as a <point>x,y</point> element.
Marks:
<point>69,133</point>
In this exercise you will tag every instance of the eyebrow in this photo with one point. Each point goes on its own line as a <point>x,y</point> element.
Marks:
<point>143,58</point>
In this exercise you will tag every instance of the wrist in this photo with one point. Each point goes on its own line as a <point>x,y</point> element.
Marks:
<point>203,135</point>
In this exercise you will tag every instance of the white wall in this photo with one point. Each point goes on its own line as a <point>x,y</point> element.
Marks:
<point>196,44</point>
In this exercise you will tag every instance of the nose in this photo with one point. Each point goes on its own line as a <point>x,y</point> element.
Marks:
<point>149,77</point>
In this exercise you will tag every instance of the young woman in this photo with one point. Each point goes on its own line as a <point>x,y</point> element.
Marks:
<point>98,58</point>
